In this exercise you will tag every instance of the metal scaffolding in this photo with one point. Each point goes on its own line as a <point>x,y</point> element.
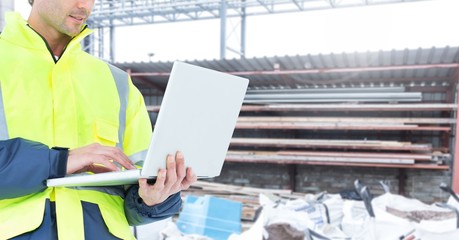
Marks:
<point>108,14</point>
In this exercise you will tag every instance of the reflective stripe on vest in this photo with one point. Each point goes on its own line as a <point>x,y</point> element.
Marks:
<point>3,127</point>
<point>122,84</point>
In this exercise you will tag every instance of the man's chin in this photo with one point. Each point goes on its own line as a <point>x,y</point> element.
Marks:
<point>72,30</point>
<point>72,34</point>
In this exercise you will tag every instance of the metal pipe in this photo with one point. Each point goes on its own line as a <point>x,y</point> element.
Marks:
<point>327,90</point>
<point>376,95</point>
<point>334,97</point>
<point>270,101</point>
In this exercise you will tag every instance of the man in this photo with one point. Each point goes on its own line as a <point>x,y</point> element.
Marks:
<point>55,97</point>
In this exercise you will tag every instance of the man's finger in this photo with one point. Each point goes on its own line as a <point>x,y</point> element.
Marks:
<point>143,183</point>
<point>103,162</point>
<point>171,176</point>
<point>180,166</point>
<point>96,168</point>
<point>116,155</point>
<point>189,179</point>
<point>161,179</point>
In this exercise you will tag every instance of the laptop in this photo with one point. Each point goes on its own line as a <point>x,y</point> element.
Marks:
<point>197,116</point>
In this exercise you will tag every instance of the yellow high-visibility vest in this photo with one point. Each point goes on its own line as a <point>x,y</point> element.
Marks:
<point>73,102</point>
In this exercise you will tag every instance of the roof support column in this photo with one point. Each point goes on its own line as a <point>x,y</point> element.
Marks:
<point>112,37</point>
<point>112,42</point>
<point>455,166</point>
<point>100,32</point>
<point>243,28</point>
<point>223,29</point>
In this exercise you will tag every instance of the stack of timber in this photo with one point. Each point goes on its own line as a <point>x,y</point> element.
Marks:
<point>434,121</point>
<point>395,120</point>
<point>370,159</point>
<point>400,155</point>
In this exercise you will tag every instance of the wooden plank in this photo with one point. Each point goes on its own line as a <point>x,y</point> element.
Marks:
<point>350,107</point>
<point>337,126</point>
<point>319,143</point>
<point>424,157</point>
<point>349,120</point>
<point>340,107</point>
<point>299,159</point>
<point>325,141</point>
<point>343,164</point>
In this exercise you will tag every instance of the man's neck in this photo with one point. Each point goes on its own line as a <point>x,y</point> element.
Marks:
<point>57,46</point>
<point>56,41</point>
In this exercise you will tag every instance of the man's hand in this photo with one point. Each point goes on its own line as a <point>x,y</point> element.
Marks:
<point>96,158</point>
<point>171,180</point>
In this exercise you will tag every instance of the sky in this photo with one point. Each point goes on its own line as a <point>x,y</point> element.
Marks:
<point>371,28</point>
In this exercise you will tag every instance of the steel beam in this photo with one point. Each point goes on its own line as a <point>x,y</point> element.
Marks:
<point>110,13</point>
<point>132,12</point>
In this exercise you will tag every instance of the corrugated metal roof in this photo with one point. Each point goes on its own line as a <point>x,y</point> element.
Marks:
<point>408,67</point>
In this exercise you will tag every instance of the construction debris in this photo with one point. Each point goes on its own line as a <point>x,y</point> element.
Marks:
<point>270,214</point>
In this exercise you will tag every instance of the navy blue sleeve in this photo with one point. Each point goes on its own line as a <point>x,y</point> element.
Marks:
<point>25,165</point>
<point>138,213</point>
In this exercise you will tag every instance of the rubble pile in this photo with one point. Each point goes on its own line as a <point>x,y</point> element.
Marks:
<point>271,214</point>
